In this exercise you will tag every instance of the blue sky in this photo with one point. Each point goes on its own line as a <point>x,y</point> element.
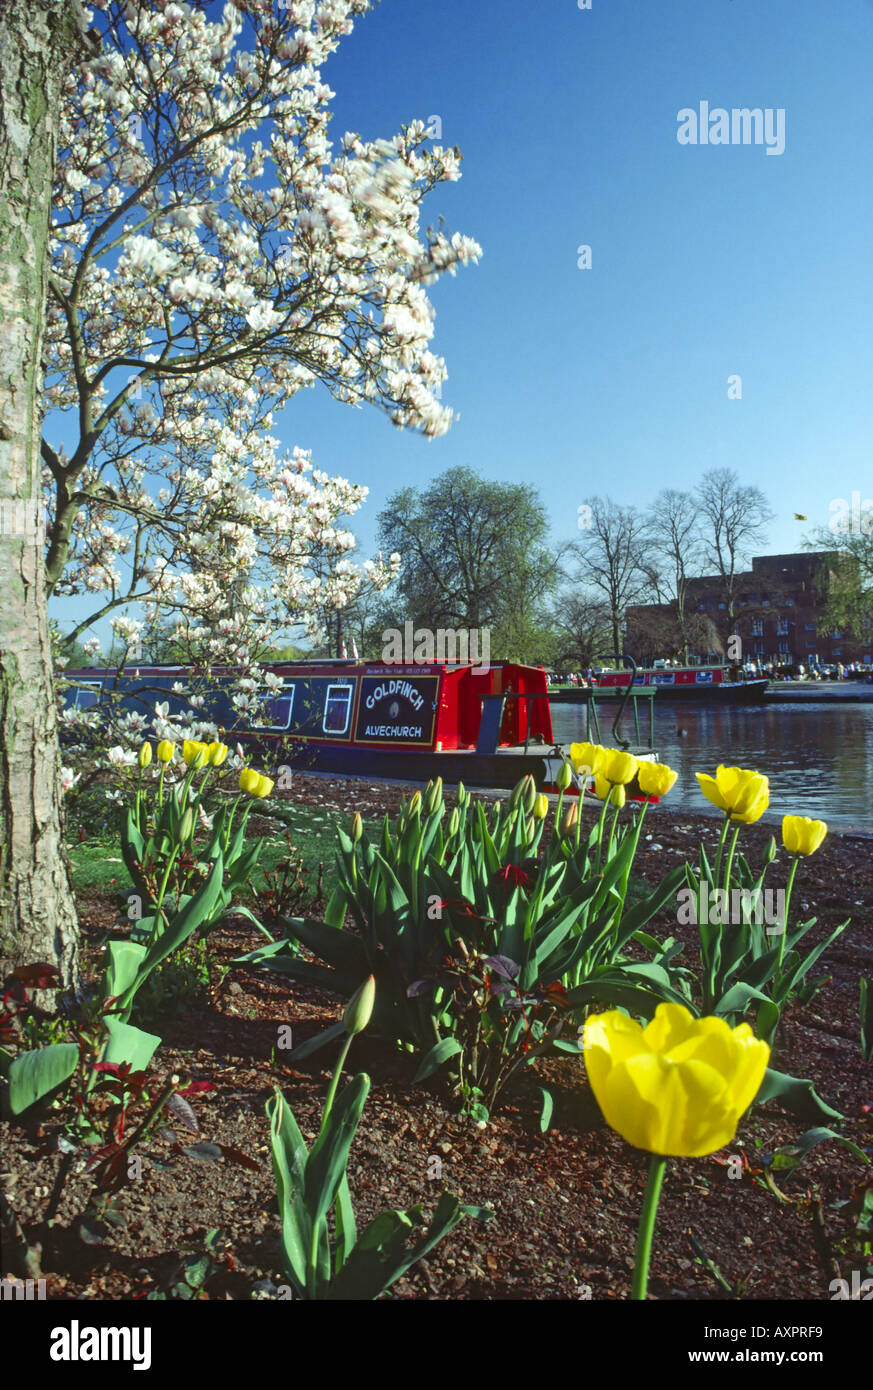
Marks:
<point>707,261</point>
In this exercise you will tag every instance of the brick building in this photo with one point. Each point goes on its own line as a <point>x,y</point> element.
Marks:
<point>778,613</point>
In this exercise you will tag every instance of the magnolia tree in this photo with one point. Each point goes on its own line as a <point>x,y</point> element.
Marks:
<point>213,253</point>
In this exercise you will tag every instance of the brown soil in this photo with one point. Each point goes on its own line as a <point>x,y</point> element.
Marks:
<point>566,1203</point>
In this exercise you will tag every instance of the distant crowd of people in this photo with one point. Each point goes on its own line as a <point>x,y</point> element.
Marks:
<point>853,670</point>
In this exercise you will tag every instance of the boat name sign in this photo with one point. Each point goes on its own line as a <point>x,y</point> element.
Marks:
<point>403,688</point>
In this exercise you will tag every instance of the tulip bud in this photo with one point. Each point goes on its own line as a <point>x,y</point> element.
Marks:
<point>530,831</point>
<point>433,796</point>
<point>462,794</point>
<point>357,827</point>
<point>359,1009</point>
<point>145,755</point>
<point>541,807</point>
<point>454,820</point>
<point>166,751</point>
<point>415,803</point>
<point>564,777</point>
<point>569,818</point>
<point>186,826</point>
<point>530,794</point>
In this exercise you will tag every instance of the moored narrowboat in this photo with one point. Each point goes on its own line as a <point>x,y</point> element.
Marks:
<point>728,684</point>
<point>484,725</point>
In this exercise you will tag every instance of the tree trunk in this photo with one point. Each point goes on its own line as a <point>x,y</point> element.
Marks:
<point>38,44</point>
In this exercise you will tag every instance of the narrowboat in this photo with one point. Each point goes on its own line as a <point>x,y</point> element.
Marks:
<point>485,725</point>
<point>718,684</point>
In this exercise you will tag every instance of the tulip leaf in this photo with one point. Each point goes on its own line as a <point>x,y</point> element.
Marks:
<point>195,912</point>
<point>330,1152</point>
<point>124,961</point>
<point>547,1109</point>
<point>790,1156</point>
<point>795,1095</point>
<point>315,1044</point>
<point>439,1053</point>
<point>289,1165</point>
<point>33,1075</point>
<point>128,1044</point>
<point>337,906</point>
<point>346,1227</point>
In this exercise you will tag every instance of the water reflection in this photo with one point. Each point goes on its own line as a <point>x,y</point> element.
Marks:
<point>819,759</point>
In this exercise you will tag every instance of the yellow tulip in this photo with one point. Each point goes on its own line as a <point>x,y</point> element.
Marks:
<point>606,791</point>
<point>216,754</point>
<point>678,1086</point>
<point>587,755</point>
<point>194,753</point>
<point>265,786</point>
<point>166,751</point>
<point>655,779</point>
<point>541,807</point>
<point>619,767</point>
<point>800,835</point>
<point>248,781</point>
<point>741,794</point>
<point>145,755</point>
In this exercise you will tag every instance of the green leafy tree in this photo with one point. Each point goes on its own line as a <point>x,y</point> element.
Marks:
<point>475,554</point>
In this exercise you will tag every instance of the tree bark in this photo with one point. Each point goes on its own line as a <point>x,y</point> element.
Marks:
<point>38,45</point>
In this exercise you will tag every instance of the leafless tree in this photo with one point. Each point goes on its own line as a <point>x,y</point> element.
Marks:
<point>614,558</point>
<point>733,518</point>
<point>675,523</point>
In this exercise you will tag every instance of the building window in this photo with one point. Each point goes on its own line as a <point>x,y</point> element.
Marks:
<point>759,649</point>
<point>836,634</point>
<point>809,627</point>
<point>88,694</point>
<point>337,708</point>
<point>789,602</point>
<point>811,644</point>
<point>757,627</point>
<point>277,712</point>
<point>837,651</point>
<point>784,647</point>
<point>782,627</point>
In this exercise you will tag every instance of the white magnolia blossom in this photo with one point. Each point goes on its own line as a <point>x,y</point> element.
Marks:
<point>213,253</point>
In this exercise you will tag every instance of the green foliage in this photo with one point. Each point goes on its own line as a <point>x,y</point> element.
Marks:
<point>745,964</point>
<point>310,1183</point>
<point>479,945</point>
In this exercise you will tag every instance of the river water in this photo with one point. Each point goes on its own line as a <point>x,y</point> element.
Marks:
<point>819,758</point>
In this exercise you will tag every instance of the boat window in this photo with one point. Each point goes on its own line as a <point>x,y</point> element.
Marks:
<point>337,708</point>
<point>88,694</point>
<point>277,711</point>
